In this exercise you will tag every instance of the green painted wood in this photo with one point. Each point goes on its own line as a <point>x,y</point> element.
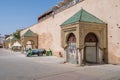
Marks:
<point>29,33</point>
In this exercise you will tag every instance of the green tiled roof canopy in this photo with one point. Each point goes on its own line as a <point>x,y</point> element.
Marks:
<point>29,33</point>
<point>82,16</point>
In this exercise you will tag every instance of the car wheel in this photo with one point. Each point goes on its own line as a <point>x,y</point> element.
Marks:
<point>28,55</point>
<point>38,54</point>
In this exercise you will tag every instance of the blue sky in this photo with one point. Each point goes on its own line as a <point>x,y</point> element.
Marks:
<point>18,14</point>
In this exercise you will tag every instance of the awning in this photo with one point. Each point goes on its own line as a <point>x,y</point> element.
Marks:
<point>17,44</point>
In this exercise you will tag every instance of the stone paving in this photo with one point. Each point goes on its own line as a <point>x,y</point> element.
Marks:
<point>101,72</point>
<point>52,68</point>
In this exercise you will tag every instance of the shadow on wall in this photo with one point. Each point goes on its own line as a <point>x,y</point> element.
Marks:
<point>45,40</point>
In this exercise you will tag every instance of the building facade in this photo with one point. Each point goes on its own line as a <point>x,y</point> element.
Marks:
<point>1,41</point>
<point>81,30</point>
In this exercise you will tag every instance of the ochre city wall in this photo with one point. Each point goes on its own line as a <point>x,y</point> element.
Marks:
<point>49,30</point>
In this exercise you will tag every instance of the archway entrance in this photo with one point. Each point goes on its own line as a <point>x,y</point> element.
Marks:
<point>91,49</point>
<point>71,41</point>
<point>29,44</point>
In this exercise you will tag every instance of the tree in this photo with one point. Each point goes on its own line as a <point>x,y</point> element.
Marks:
<point>17,34</point>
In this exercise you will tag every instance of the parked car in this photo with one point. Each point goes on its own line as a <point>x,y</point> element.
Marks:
<point>38,52</point>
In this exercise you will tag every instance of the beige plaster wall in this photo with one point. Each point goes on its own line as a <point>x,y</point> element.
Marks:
<point>107,10</point>
<point>34,28</point>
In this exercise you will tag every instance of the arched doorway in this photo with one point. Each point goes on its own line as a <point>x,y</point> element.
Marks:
<point>91,49</point>
<point>29,44</point>
<point>71,41</point>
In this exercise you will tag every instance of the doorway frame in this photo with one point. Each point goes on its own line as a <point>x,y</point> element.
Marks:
<point>91,38</point>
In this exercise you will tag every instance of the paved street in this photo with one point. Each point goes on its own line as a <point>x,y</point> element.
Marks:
<point>15,66</point>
